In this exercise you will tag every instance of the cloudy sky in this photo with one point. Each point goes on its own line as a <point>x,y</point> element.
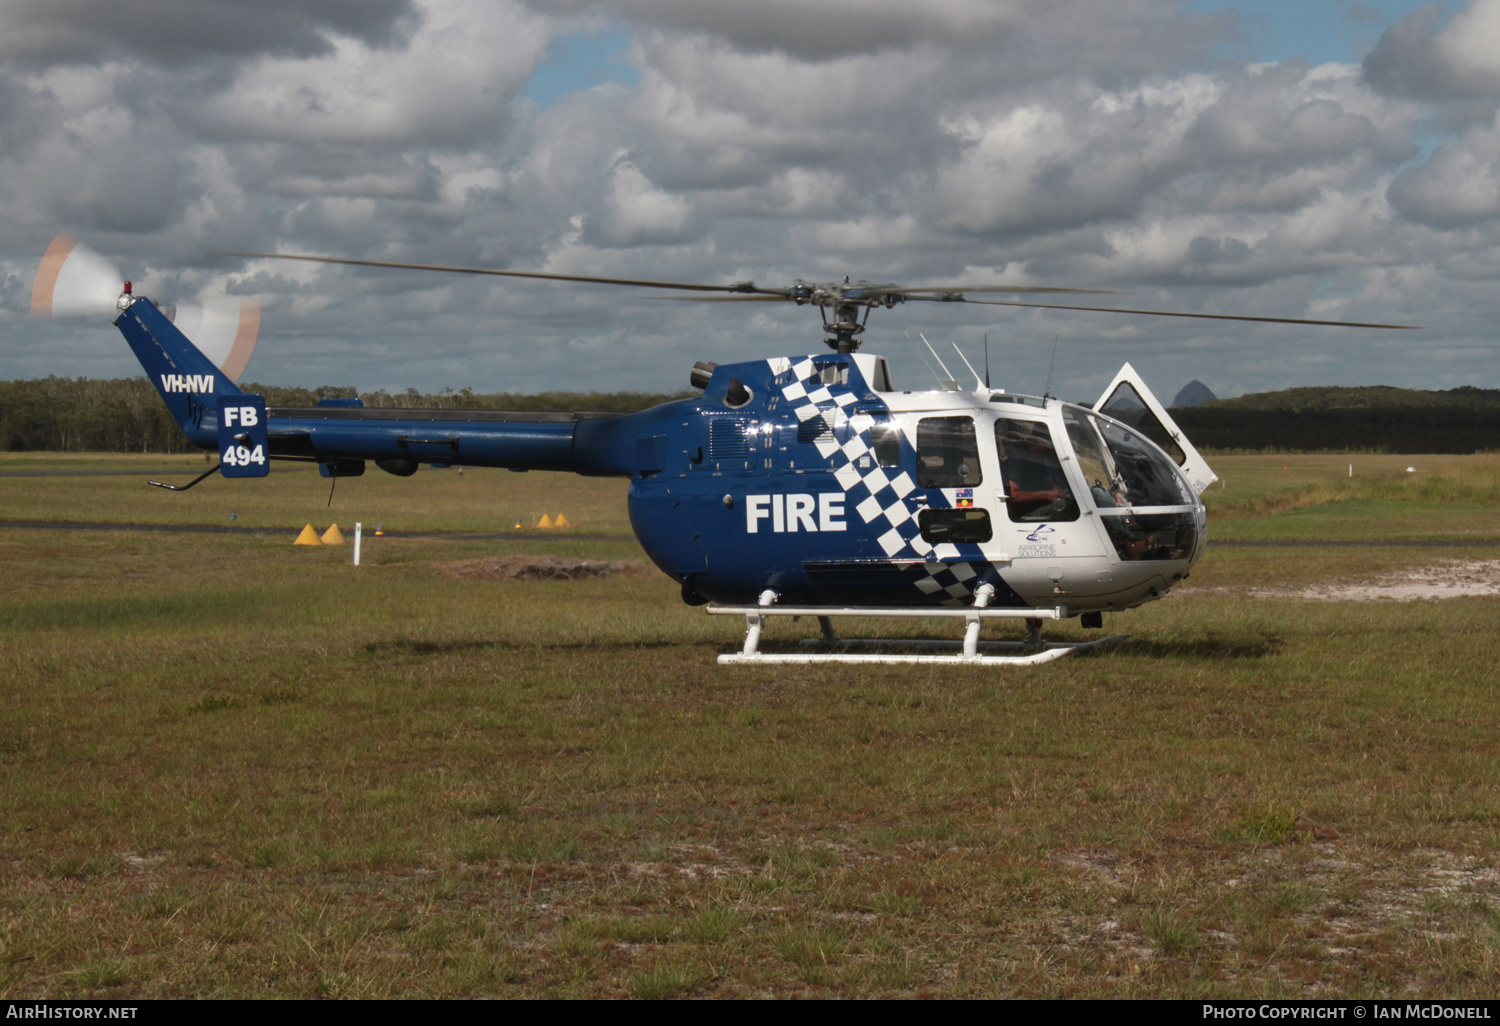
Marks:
<point>1311,158</point>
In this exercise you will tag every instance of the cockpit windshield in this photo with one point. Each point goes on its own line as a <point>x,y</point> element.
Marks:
<point>1122,468</point>
<point>1127,474</point>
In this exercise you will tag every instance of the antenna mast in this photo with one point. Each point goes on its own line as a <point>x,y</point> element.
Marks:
<point>1047,392</point>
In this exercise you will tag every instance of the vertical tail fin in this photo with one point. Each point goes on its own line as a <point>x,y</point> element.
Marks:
<point>188,382</point>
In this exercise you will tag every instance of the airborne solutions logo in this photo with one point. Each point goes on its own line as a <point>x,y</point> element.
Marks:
<point>1039,542</point>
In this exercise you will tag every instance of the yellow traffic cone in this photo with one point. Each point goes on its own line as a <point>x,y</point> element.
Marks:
<point>561,521</point>
<point>308,537</point>
<point>333,536</point>
<point>546,521</point>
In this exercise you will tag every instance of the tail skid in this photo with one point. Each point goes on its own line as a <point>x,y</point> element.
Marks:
<point>182,488</point>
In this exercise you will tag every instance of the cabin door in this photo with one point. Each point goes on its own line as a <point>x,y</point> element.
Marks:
<point>1127,399</point>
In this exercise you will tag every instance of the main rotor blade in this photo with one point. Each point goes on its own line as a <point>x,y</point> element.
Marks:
<point>1201,316</point>
<point>861,297</point>
<point>723,299</point>
<point>1050,289</point>
<point>744,286</point>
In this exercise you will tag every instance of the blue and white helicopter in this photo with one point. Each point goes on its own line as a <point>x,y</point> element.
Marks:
<point>802,486</point>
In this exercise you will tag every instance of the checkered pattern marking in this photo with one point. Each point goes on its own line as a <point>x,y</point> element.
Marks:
<point>944,573</point>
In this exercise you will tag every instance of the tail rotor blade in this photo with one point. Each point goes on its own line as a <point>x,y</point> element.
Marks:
<point>224,330</point>
<point>74,281</point>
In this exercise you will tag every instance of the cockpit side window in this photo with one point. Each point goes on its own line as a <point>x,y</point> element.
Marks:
<point>947,453</point>
<point>1035,487</point>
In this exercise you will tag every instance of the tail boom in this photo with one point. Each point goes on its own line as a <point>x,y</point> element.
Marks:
<point>339,436</point>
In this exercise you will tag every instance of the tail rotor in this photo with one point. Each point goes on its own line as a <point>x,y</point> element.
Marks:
<point>75,281</point>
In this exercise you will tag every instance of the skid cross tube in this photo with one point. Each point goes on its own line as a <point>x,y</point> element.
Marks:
<point>970,652</point>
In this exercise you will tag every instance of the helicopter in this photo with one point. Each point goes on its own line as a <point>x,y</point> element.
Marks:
<point>804,486</point>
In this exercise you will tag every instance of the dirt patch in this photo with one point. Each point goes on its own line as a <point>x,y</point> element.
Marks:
<point>544,568</point>
<point>1450,579</point>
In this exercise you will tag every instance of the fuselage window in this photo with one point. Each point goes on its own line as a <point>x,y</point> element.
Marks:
<point>954,526</point>
<point>947,453</point>
<point>1035,487</point>
<point>885,442</point>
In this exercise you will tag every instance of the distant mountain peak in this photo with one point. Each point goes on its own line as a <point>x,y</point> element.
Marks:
<point>1194,393</point>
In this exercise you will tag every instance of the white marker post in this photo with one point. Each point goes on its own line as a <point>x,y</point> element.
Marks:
<point>357,531</point>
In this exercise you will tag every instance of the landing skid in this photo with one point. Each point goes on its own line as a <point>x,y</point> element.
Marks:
<point>968,652</point>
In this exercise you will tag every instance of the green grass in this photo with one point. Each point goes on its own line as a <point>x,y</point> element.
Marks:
<point>1314,497</point>
<point>231,767</point>
<point>479,500</point>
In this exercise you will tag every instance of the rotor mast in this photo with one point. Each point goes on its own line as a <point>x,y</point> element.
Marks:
<point>840,306</point>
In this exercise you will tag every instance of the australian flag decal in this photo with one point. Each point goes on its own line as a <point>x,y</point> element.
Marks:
<point>963,497</point>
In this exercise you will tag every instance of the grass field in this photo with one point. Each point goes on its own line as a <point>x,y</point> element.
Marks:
<point>232,767</point>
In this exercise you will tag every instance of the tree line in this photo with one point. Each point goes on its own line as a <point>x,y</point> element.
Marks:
<point>1373,419</point>
<point>126,415</point>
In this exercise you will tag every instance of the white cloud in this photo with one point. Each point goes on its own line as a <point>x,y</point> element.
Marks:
<point>639,212</point>
<point>184,32</point>
<point>448,88</point>
<point>1082,142</point>
<point>1458,185</point>
<point>1459,59</point>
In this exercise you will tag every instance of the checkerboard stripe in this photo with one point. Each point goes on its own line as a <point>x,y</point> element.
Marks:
<point>947,574</point>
